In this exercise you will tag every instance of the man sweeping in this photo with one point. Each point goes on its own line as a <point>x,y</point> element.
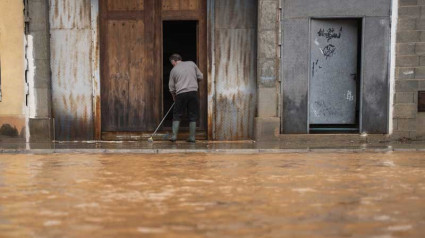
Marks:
<point>183,86</point>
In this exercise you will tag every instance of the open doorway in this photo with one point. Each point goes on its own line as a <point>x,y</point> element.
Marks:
<point>178,37</point>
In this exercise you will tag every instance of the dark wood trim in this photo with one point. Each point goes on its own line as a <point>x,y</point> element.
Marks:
<point>125,15</point>
<point>181,15</point>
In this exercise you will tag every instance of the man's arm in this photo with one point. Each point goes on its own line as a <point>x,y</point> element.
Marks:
<point>172,86</point>
<point>199,74</point>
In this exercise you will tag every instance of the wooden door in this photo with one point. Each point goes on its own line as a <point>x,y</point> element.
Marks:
<point>130,79</point>
<point>131,68</point>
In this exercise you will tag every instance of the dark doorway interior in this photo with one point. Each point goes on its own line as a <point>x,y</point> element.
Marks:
<point>178,37</point>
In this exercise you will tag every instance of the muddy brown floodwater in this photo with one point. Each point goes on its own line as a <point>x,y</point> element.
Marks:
<point>287,195</point>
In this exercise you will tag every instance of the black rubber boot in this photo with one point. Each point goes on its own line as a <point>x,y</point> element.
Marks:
<point>192,132</point>
<point>176,125</point>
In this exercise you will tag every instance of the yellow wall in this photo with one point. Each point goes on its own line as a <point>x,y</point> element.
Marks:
<point>12,106</point>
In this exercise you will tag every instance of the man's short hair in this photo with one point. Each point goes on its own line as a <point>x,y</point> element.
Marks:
<point>175,57</point>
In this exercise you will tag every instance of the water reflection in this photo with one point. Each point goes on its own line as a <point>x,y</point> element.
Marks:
<point>290,195</point>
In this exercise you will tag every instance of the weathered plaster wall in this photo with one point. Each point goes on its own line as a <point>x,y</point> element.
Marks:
<point>72,85</point>
<point>234,73</point>
<point>410,70</point>
<point>12,106</point>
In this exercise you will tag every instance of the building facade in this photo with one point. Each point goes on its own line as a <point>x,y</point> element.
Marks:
<point>98,69</point>
<point>12,71</point>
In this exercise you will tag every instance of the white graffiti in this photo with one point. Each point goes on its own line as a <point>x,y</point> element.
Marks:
<point>350,96</point>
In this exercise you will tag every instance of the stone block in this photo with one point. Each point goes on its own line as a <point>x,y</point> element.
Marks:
<point>420,73</point>
<point>40,43</point>
<point>420,49</point>
<point>406,86</point>
<point>407,61</point>
<point>421,85</point>
<point>405,111</point>
<point>42,74</point>
<point>267,102</point>
<point>406,24</point>
<point>42,102</point>
<point>404,97</point>
<point>400,135</point>
<point>266,129</point>
<point>422,60</point>
<point>420,24</point>
<point>420,124</point>
<point>408,2</point>
<point>39,19</point>
<point>267,44</point>
<point>405,73</point>
<point>268,15</point>
<point>267,72</point>
<point>421,36</point>
<point>409,11</point>
<point>404,49</point>
<point>406,124</point>
<point>41,130</point>
<point>408,36</point>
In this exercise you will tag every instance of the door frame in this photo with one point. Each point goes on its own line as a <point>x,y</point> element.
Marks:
<point>360,60</point>
<point>96,21</point>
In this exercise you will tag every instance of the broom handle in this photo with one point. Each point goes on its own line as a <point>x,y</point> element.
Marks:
<point>164,119</point>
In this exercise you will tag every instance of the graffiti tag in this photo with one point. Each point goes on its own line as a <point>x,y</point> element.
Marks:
<point>330,33</point>
<point>329,51</point>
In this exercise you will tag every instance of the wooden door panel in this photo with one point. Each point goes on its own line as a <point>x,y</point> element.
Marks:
<point>130,83</point>
<point>188,4</point>
<point>180,5</point>
<point>125,53</point>
<point>125,5</point>
<point>168,5</point>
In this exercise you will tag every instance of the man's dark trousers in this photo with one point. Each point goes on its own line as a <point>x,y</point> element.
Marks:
<point>186,101</point>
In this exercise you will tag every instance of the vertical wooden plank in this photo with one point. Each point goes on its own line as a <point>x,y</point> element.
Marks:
<point>168,5</point>
<point>118,64</point>
<point>130,80</point>
<point>137,100</point>
<point>189,4</point>
<point>127,5</point>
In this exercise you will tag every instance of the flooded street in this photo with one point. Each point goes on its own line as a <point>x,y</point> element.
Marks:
<point>282,195</point>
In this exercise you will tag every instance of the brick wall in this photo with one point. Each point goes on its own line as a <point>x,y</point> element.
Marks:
<point>410,70</point>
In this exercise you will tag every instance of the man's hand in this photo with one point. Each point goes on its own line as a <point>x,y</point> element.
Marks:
<point>174,96</point>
